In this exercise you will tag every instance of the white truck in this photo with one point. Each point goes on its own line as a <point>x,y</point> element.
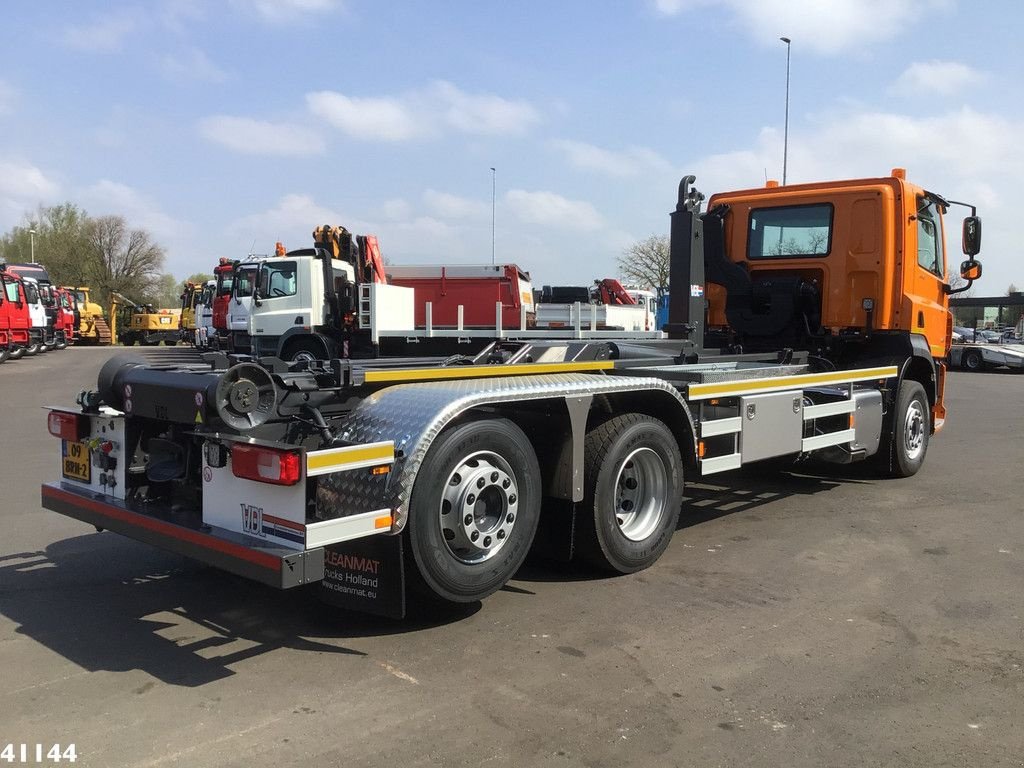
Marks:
<point>378,478</point>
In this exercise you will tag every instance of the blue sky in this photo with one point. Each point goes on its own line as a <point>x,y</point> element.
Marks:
<point>226,125</point>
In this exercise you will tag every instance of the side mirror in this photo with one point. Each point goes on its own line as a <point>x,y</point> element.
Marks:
<point>972,236</point>
<point>970,270</point>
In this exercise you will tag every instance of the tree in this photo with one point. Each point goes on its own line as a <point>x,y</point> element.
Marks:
<point>646,263</point>
<point>199,278</point>
<point>164,292</point>
<point>123,260</point>
<point>1011,289</point>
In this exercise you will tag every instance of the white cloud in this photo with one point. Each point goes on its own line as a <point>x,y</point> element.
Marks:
<point>552,210</point>
<point>449,206</point>
<point>105,35</point>
<point>107,197</point>
<point>287,10</point>
<point>631,161</point>
<point>292,221</point>
<point>944,78</point>
<point>431,111</point>
<point>191,64</point>
<point>822,27</point>
<point>8,94</point>
<point>260,137</point>
<point>23,187</point>
<point>396,209</point>
<point>482,114</point>
<point>381,119</point>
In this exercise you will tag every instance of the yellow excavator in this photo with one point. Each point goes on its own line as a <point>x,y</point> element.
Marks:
<point>92,326</point>
<point>132,323</point>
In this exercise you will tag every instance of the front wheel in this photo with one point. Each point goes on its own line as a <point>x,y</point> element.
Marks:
<point>305,350</point>
<point>5,353</point>
<point>32,348</point>
<point>17,353</point>
<point>903,449</point>
<point>473,511</point>
<point>634,491</point>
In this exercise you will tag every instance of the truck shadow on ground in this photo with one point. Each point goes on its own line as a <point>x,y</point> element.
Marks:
<point>732,493</point>
<point>107,603</point>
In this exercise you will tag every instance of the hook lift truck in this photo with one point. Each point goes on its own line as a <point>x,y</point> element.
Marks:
<point>807,320</point>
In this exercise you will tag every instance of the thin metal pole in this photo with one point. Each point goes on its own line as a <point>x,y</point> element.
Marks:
<point>32,244</point>
<point>785,140</point>
<point>492,214</point>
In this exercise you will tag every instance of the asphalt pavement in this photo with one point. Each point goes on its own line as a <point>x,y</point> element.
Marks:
<point>796,620</point>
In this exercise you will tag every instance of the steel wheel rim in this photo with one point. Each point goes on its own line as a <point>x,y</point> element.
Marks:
<point>303,356</point>
<point>641,494</point>
<point>914,430</point>
<point>479,507</point>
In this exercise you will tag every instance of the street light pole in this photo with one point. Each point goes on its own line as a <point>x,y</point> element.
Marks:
<point>32,244</point>
<point>492,214</point>
<point>785,140</point>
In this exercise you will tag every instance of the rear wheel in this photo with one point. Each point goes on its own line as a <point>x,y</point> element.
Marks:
<point>972,360</point>
<point>17,353</point>
<point>4,354</point>
<point>903,449</point>
<point>32,348</point>
<point>474,510</point>
<point>634,487</point>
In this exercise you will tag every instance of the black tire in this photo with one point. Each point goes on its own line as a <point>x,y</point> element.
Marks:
<point>5,353</point>
<point>972,360</point>
<point>308,348</point>
<point>904,447</point>
<point>17,353</point>
<point>633,460</point>
<point>445,560</point>
<point>32,348</point>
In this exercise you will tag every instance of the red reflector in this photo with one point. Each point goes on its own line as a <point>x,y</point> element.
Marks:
<point>265,465</point>
<point>66,426</point>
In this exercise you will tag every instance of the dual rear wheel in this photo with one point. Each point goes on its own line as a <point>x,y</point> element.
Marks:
<point>477,497</point>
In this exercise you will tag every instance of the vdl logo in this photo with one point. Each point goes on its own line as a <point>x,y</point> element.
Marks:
<point>252,519</point>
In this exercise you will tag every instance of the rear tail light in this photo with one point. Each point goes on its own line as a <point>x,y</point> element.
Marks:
<point>265,465</point>
<point>67,426</point>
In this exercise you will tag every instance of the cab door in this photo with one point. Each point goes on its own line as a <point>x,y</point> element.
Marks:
<point>925,276</point>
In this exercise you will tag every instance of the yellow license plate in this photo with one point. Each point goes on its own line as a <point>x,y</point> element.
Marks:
<point>75,464</point>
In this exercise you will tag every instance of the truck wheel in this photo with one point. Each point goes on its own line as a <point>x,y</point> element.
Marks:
<point>32,348</point>
<point>17,353</point>
<point>903,450</point>
<point>473,510</point>
<point>306,350</point>
<point>634,490</point>
<point>972,360</point>
<point>4,354</point>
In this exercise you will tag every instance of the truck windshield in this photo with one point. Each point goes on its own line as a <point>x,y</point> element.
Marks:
<point>243,281</point>
<point>224,285</point>
<point>796,230</point>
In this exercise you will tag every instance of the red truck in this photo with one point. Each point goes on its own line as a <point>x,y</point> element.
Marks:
<point>15,320</point>
<point>477,288</point>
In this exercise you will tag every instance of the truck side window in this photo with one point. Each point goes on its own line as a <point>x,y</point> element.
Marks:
<point>929,239</point>
<point>278,280</point>
<point>793,231</point>
<point>12,291</point>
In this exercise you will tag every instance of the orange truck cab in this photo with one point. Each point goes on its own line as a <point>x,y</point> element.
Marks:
<point>850,272</point>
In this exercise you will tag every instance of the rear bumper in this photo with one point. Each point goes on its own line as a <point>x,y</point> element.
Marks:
<point>184,533</point>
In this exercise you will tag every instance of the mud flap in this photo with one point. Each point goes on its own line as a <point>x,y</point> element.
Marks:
<point>365,575</point>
